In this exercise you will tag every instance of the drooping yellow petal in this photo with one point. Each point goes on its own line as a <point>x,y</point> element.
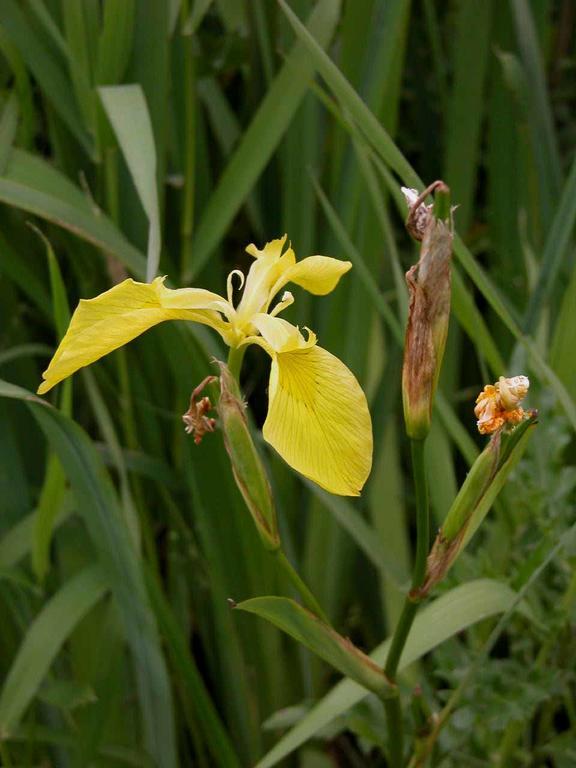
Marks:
<point>117,316</point>
<point>316,274</point>
<point>318,419</point>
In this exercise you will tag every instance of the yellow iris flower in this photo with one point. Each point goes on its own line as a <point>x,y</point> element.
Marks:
<point>318,418</point>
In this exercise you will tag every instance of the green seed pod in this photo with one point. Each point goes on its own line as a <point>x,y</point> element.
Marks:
<point>247,466</point>
<point>475,498</point>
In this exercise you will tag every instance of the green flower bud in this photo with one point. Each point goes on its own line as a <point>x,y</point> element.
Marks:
<point>475,498</point>
<point>247,466</point>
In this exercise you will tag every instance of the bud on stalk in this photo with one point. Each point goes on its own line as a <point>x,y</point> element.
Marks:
<point>429,313</point>
<point>247,466</point>
<point>476,496</point>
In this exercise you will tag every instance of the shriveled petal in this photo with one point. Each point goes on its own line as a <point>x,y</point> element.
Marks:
<point>117,316</point>
<point>281,335</point>
<point>318,419</point>
<point>317,274</point>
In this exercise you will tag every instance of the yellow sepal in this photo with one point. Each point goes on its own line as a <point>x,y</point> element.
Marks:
<point>318,419</point>
<point>117,316</point>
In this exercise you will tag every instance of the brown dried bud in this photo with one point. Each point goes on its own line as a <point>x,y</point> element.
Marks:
<point>428,317</point>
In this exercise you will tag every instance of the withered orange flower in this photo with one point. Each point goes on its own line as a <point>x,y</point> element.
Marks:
<point>499,404</point>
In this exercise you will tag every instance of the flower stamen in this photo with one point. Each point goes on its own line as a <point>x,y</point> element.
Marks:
<point>286,300</point>
<point>230,284</point>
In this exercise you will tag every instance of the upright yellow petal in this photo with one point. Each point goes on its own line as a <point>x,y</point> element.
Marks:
<point>318,419</point>
<point>117,316</point>
<point>317,274</point>
<point>281,335</point>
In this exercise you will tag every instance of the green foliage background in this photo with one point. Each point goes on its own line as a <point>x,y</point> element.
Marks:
<point>120,541</point>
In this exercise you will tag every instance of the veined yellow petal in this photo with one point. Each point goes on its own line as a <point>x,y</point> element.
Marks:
<point>281,335</point>
<point>318,419</point>
<point>117,316</point>
<point>317,274</point>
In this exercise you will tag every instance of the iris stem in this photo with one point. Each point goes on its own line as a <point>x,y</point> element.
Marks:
<point>235,359</point>
<point>393,706</point>
<point>307,597</point>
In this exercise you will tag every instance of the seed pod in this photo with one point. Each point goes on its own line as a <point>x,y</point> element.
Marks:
<point>477,494</point>
<point>247,467</point>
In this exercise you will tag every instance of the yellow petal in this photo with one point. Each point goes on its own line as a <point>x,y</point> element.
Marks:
<point>318,419</point>
<point>117,316</point>
<point>281,335</point>
<point>264,274</point>
<point>317,274</point>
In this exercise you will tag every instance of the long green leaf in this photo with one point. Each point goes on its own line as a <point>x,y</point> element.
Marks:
<point>262,136</point>
<point>46,69</point>
<point>128,113</point>
<point>103,520</point>
<point>452,613</point>
<point>44,638</point>
<point>320,638</point>
<point>33,185</point>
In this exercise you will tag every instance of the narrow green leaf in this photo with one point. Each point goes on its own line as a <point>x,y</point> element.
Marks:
<point>190,683</point>
<point>33,185</point>
<point>365,537</point>
<point>103,520</point>
<point>46,69</point>
<point>115,44</point>
<point>555,251</point>
<point>43,640</point>
<point>8,126</point>
<point>126,108</point>
<point>261,137</point>
<point>17,542</point>
<point>199,9</point>
<point>352,103</point>
<point>466,106</point>
<point>79,36</point>
<point>307,629</point>
<point>448,615</point>
<point>540,117</point>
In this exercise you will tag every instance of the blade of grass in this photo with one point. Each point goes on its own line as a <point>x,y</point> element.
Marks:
<point>8,126</point>
<point>554,253</point>
<point>103,520</point>
<point>31,184</point>
<point>44,638</point>
<point>261,137</point>
<point>47,71</point>
<point>540,115</point>
<point>127,111</point>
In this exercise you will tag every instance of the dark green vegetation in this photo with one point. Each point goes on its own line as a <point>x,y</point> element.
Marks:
<point>120,540</point>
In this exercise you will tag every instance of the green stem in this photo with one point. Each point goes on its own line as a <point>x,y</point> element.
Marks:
<point>235,358</point>
<point>393,706</point>
<point>442,202</point>
<point>307,597</point>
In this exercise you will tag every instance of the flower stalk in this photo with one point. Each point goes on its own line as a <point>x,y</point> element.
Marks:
<point>429,287</point>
